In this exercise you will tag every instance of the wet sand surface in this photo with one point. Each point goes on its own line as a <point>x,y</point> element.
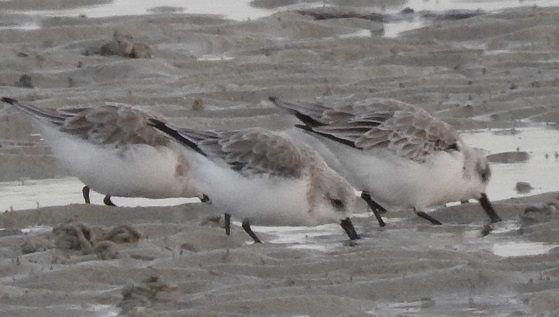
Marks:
<point>475,70</point>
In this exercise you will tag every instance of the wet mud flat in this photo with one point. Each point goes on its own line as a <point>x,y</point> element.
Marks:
<point>491,71</point>
<point>407,268</point>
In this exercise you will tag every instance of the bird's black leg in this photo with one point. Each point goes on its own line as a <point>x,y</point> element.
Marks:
<point>227,219</point>
<point>205,198</point>
<point>486,205</point>
<point>427,217</point>
<point>246,226</point>
<point>375,208</point>
<point>376,205</point>
<point>107,201</point>
<point>85,192</point>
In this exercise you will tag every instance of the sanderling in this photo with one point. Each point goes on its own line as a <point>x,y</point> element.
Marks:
<point>397,154</point>
<point>265,178</point>
<point>113,151</point>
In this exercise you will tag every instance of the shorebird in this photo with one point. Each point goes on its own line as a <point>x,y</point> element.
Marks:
<point>113,151</point>
<point>396,154</point>
<point>265,178</point>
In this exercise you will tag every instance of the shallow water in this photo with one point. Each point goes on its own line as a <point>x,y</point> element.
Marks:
<point>29,194</point>
<point>307,238</point>
<point>237,10</point>
<point>523,248</point>
<point>536,170</point>
<point>486,5</point>
<point>242,10</point>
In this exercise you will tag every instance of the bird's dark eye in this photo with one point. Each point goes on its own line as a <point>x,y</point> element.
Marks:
<point>454,147</point>
<point>337,203</point>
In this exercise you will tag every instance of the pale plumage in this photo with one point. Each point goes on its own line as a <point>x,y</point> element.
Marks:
<point>397,154</point>
<point>113,150</point>
<point>265,178</point>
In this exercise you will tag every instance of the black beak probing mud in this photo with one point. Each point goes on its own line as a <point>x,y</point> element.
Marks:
<point>347,225</point>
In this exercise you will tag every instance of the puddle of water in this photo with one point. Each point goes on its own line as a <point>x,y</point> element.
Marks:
<point>105,310</point>
<point>515,249</point>
<point>237,10</point>
<point>357,34</point>
<point>213,58</point>
<point>65,191</point>
<point>36,229</point>
<point>536,171</point>
<point>486,5</point>
<point>505,226</point>
<point>297,234</point>
<point>241,10</point>
<point>392,29</point>
<point>411,307</point>
<point>302,237</point>
<point>101,310</point>
<point>25,27</point>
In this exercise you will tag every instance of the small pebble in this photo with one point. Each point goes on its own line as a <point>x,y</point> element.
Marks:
<point>523,187</point>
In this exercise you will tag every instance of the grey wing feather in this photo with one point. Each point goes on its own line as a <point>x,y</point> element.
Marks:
<point>250,152</point>
<point>104,125</point>
<point>409,131</point>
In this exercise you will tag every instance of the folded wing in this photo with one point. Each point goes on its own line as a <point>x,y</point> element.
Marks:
<point>409,131</point>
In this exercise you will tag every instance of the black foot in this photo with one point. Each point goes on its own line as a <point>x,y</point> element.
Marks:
<point>205,198</point>
<point>427,217</point>
<point>227,218</point>
<point>108,202</point>
<point>85,192</point>
<point>246,226</point>
<point>347,225</point>
<point>375,208</point>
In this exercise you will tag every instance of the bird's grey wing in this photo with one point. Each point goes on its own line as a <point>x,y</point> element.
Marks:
<point>411,134</point>
<point>310,113</point>
<point>112,125</point>
<point>409,131</point>
<point>253,152</point>
<point>104,125</point>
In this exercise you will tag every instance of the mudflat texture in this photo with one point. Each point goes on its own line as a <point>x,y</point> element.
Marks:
<point>480,70</point>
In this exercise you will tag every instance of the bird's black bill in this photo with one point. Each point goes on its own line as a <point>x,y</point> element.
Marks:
<point>347,225</point>
<point>375,208</point>
<point>486,205</point>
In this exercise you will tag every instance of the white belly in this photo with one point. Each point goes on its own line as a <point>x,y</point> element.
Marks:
<point>398,182</point>
<point>129,171</point>
<point>263,200</point>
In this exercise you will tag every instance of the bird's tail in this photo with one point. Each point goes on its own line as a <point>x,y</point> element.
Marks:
<point>176,135</point>
<point>43,114</point>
